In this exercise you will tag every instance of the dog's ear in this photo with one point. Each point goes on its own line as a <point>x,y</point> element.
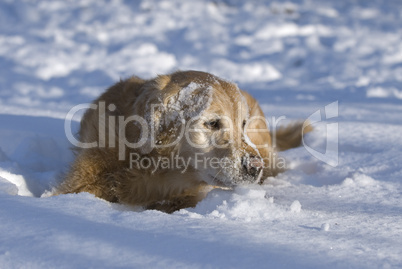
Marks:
<point>258,127</point>
<point>181,106</point>
<point>168,107</point>
<point>147,107</point>
<point>260,135</point>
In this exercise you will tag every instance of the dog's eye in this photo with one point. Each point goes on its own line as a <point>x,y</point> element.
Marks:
<point>244,123</point>
<point>213,124</point>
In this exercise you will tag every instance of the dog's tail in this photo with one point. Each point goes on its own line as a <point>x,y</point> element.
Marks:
<point>290,136</point>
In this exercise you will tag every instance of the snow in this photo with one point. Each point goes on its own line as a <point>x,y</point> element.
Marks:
<point>194,102</point>
<point>325,227</point>
<point>297,58</point>
<point>295,206</point>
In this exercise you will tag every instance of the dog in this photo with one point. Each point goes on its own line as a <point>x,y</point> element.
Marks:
<point>164,143</point>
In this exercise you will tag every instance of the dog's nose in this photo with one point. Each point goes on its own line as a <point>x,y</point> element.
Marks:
<point>252,165</point>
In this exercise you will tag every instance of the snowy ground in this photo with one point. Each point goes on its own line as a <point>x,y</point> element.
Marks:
<point>295,57</point>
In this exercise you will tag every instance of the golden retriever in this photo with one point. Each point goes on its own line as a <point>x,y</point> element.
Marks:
<point>164,143</point>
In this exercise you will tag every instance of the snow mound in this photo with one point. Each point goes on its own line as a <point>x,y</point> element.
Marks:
<point>247,204</point>
<point>18,181</point>
<point>359,180</point>
<point>295,207</point>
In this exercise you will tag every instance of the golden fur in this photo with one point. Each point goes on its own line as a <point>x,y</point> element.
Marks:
<point>222,121</point>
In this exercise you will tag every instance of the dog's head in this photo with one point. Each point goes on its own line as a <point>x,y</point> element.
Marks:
<point>210,123</point>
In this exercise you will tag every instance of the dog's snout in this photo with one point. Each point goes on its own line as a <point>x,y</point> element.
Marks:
<point>252,165</point>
